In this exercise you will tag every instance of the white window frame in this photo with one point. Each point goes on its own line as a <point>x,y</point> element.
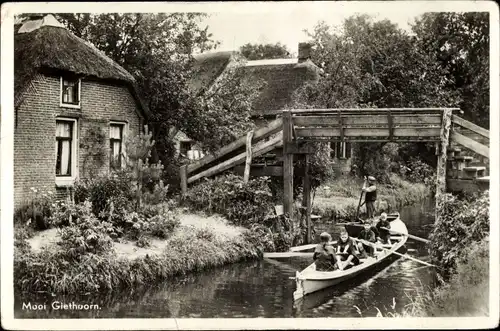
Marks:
<point>70,105</point>
<point>124,137</point>
<point>64,181</point>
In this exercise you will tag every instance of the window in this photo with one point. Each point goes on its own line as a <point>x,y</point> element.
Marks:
<point>340,150</point>
<point>116,145</point>
<point>185,146</point>
<point>70,92</point>
<point>66,162</point>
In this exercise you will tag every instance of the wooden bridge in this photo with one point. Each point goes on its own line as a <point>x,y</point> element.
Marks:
<point>273,149</point>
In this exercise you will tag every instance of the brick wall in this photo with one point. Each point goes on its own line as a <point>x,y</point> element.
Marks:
<point>34,137</point>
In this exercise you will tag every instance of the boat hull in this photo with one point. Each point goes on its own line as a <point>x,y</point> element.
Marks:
<point>310,281</point>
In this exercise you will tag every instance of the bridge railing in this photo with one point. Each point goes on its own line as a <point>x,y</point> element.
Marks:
<point>479,145</point>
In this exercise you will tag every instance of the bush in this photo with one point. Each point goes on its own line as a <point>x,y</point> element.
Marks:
<point>152,220</point>
<point>461,223</point>
<point>36,212</point>
<point>86,234</point>
<point>241,203</point>
<point>420,172</point>
<point>102,190</point>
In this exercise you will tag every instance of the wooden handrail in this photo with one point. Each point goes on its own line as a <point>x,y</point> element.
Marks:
<point>257,151</point>
<point>470,144</point>
<point>258,135</point>
<point>471,126</point>
<point>353,111</point>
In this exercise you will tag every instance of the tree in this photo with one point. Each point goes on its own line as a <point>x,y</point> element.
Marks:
<point>460,42</point>
<point>373,64</point>
<point>265,51</point>
<point>157,50</point>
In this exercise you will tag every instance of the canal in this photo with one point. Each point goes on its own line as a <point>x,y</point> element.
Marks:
<point>263,289</point>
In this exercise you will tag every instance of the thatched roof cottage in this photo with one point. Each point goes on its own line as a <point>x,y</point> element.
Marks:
<point>74,107</point>
<point>280,78</point>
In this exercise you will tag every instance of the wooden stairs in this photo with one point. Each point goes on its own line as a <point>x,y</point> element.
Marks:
<point>468,157</point>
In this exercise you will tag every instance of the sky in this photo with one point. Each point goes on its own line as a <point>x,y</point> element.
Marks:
<point>234,29</point>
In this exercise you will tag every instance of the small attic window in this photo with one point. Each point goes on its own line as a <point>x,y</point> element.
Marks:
<point>70,92</point>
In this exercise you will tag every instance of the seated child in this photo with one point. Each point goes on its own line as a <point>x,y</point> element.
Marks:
<point>324,255</point>
<point>366,234</point>
<point>384,235</point>
<point>346,251</point>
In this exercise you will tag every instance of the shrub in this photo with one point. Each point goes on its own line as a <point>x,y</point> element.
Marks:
<point>101,190</point>
<point>86,234</point>
<point>461,222</point>
<point>241,203</point>
<point>420,172</point>
<point>152,220</point>
<point>36,212</point>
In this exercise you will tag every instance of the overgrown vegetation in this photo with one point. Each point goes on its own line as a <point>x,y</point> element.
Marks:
<point>246,204</point>
<point>57,271</point>
<point>461,223</point>
<point>337,200</point>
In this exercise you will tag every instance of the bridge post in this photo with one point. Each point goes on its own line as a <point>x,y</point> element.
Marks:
<point>287,164</point>
<point>183,174</point>
<point>307,198</point>
<point>442,155</point>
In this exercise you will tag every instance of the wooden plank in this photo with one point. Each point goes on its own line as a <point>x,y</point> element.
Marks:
<point>317,132</point>
<point>369,132</point>
<point>417,132</point>
<point>287,165</point>
<point>442,157</point>
<point>183,175</point>
<point>367,119</point>
<point>258,150</point>
<point>260,171</point>
<point>471,126</point>
<point>307,198</point>
<point>470,144</point>
<point>248,161</point>
<point>428,119</point>
<point>307,247</point>
<point>258,135</point>
<point>288,254</point>
<point>369,110</point>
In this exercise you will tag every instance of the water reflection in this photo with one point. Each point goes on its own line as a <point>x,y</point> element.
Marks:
<point>263,289</point>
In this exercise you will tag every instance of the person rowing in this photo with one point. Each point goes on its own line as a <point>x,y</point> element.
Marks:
<point>346,252</point>
<point>324,254</point>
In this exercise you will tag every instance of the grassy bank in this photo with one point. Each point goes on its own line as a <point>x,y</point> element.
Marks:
<point>42,264</point>
<point>338,199</point>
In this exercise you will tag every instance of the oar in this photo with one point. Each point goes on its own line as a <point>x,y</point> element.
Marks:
<point>406,234</point>
<point>402,255</point>
<point>360,197</point>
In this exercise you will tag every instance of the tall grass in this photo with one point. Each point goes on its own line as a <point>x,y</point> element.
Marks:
<point>50,270</point>
<point>338,198</point>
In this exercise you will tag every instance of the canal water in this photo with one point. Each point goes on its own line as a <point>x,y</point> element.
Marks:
<point>263,289</point>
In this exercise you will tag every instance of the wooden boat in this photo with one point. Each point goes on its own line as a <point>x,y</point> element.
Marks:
<point>309,280</point>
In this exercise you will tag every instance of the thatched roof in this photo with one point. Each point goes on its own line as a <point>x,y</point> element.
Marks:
<point>55,49</point>
<point>208,67</point>
<point>281,77</point>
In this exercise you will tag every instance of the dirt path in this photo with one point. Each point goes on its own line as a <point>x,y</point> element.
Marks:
<point>128,249</point>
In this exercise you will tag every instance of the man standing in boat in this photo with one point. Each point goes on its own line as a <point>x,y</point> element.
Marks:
<point>370,196</point>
